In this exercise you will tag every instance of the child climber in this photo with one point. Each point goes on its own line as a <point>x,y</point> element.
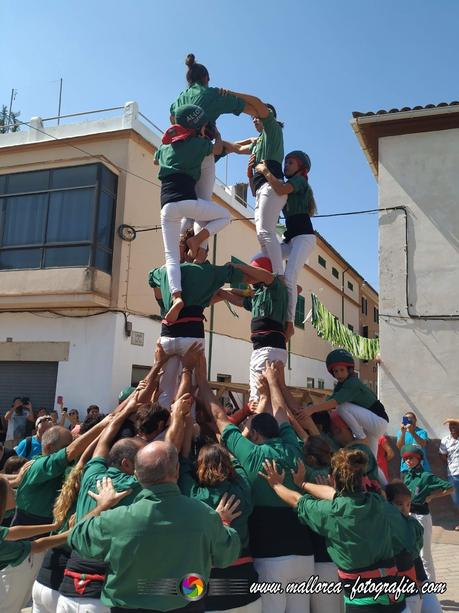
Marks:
<point>356,403</point>
<point>180,156</point>
<point>424,487</point>
<point>299,238</point>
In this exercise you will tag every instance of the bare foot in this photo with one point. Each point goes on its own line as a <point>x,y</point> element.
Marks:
<point>289,330</point>
<point>173,313</point>
<point>193,247</point>
<point>201,256</point>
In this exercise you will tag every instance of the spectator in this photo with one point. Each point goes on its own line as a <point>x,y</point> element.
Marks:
<point>54,416</point>
<point>385,455</point>
<point>42,411</point>
<point>93,410</point>
<point>17,417</point>
<point>209,542</point>
<point>410,434</point>
<point>31,445</point>
<point>449,450</point>
<point>3,428</point>
<point>5,454</point>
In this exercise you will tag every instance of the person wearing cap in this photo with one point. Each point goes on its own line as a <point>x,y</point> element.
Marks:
<point>180,156</point>
<point>299,237</point>
<point>449,453</point>
<point>424,487</point>
<point>355,402</point>
<point>30,447</point>
<point>268,305</point>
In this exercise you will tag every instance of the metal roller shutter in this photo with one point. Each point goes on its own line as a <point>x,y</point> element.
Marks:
<point>37,380</point>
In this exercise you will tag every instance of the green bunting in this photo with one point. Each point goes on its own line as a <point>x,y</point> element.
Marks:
<point>332,330</point>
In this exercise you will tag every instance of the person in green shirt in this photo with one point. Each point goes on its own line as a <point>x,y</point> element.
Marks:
<point>180,155</point>
<point>346,516</point>
<point>299,237</point>
<point>154,543</point>
<point>82,580</point>
<point>208,479</point>
<point>355,402</point>
<point>424,487</point>
<point>282,549</point>
<point>268,305</point>
<point>214,103</point>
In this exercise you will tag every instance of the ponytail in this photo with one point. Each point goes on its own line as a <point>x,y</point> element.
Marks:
<point>68,495</point>
<point>196,73</point>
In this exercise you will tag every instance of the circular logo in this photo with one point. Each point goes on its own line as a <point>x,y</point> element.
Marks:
<point>193,587</point>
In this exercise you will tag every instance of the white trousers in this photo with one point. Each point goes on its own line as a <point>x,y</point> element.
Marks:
<point>267,210</point>
<point>16,583</point>
<point>204,190</point>
<point>363,423</point>
<point>80,605</point>
<point>170,379</point>
<point>285,569</point>
<point>296,252</point>
<point>213,217</point>
<point>253,607</point>
<point>426,551</point>
<point>331,603</point>
<point>257,364</point>
<point>44,599</point>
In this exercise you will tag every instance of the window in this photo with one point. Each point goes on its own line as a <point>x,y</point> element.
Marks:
<point>321,384</point>
<point>309,382</point>
<point>60,217</point>
<point>335,272</point>
<point>299,312</point>
<point>365,331</point>
<point>350,286</point>
<point>351,327</point>
<point>238,285</point>
<point>322,261</point>
<point>375,315</point>
<point>364,306</point>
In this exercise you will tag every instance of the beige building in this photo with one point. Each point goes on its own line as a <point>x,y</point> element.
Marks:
<point>369,327</point>
<point>77,316</point>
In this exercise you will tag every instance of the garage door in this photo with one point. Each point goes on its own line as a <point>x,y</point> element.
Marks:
<point>37,380</point>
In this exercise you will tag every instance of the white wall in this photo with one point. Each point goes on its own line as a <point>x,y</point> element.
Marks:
<point>101,356</point>
<point>419,369</point>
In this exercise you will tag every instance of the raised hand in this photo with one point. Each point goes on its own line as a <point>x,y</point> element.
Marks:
<point>227,508</point>
<point>270,473</point>
<point>107,497</point>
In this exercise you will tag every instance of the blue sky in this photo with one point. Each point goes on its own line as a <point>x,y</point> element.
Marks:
<point>316,61</point>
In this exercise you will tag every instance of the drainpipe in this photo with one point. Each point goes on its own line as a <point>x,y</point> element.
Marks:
<point>212,314</point>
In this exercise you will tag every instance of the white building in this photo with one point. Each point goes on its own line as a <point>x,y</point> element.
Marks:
<point>414,155</point>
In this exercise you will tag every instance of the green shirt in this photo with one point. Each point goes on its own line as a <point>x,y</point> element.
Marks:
<point>314,471</point>
<point>298,200</point>
<point>199,282</point>
<point>270,144</point>
<point>269,301</point>
<point>41,483</point>
<point>210,100</point>
<point>12,553</point>
<point>162,535</point>
<point>284,450</point>
<point>353,390</point>
<point>422,483</point>
<point>348,523</point>
<point>94,470</point>
<point>183,157</point>
<point>240,487</point>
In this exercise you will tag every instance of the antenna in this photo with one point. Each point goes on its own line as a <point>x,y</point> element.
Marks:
<point>13,97</point>
<point>60,103</point>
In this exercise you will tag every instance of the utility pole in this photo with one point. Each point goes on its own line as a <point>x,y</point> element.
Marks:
<point>13,97</point>
<point>60,102</point>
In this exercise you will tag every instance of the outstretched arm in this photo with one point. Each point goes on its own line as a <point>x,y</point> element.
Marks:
<point>254,106</point>
<point>253,274</point>
<point>208,398</point>
<point>278,186</point>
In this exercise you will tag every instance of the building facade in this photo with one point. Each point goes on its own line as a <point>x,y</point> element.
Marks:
<point>414,154</point>
<point>77,316</point>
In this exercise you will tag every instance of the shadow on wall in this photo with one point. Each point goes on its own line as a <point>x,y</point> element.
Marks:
<point>429,177</point>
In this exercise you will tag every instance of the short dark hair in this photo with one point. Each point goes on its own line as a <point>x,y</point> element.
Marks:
<point>92,406</point>
<point>149,416</point>
<point>396,488</point>
<point>322,418</point>
<point>266,425</point>
<point>196,73</point>
<point>90,422</point>
<point>124,449</point>
<point>14,464</point>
